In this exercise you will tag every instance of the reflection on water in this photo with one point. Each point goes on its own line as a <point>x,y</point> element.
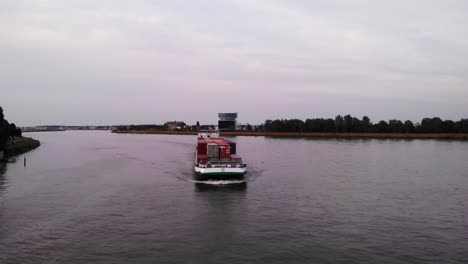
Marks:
<point>219,219</point>
<point>3,168</point>
<point>226,188</point>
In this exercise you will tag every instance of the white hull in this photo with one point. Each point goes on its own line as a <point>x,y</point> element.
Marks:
<point>222,170</point>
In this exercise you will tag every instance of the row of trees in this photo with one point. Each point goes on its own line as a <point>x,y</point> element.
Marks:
<point>142,127</point>
<point>7,130</point>
<point>341,124</point>
<point>179,126</point>
<point>350,124</point>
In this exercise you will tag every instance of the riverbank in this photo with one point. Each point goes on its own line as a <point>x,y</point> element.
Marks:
<point>19,146</point>
<point>311,135</point>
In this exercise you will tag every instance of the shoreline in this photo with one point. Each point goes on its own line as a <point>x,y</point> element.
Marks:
<point>462,136</point>
<point>21,146</point>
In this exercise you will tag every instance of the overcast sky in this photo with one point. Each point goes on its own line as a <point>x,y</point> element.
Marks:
<point>122,62</point>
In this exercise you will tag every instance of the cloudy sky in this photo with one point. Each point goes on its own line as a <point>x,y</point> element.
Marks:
<point>121,62</point>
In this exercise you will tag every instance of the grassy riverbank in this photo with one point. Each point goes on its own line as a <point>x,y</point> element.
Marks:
<point>312,135</point>
<point>20,146</point>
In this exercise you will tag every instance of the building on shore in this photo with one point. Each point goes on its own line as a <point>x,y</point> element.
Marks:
<point>227,121</point>
<point>43,128</point>
<point>175,125</point>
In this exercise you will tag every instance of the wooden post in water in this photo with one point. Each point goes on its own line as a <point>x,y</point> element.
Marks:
<point>25,161</point>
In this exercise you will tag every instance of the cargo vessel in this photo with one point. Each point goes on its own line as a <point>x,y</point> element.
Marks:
<point>216,158</point>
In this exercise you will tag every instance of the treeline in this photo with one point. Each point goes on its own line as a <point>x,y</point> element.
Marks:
<point>165,127</point>
<point>141,127</point>
<point>7,130</point>
<point>341,124</point>
<point>350,124</point>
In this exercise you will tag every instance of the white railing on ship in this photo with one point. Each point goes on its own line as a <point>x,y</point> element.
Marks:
<point>243,165</point>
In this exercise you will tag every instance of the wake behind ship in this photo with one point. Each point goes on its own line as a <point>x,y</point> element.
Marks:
<point>216,159</point>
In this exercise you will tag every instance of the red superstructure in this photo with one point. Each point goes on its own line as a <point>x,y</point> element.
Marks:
<point>216,148</point>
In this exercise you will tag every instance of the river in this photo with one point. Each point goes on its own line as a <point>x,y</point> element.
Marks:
<point>98,197</point>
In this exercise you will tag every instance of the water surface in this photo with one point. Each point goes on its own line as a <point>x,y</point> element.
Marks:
<point>97,197</point>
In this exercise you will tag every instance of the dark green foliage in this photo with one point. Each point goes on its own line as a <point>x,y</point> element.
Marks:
<point>395,126</point>
<point>142,127</point>
<point>207,127</point>
<point>463,125</point>
<point>4,129</point>
<point>259,128</point>
<point>341,124</point>
<point>408,127</point>
<point>4,132</point>
<point>165,127</point>
<point>7,130</point>
<point>349,124</point>
<point>366,124</point>
<point>448,125</point>
<point>381,127</point>
<point>15,131</point>
<point>267,126</point>
<point>22,146</point>
<point>287,125</point>
<point>431,125</point>
<point>319,125</point>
